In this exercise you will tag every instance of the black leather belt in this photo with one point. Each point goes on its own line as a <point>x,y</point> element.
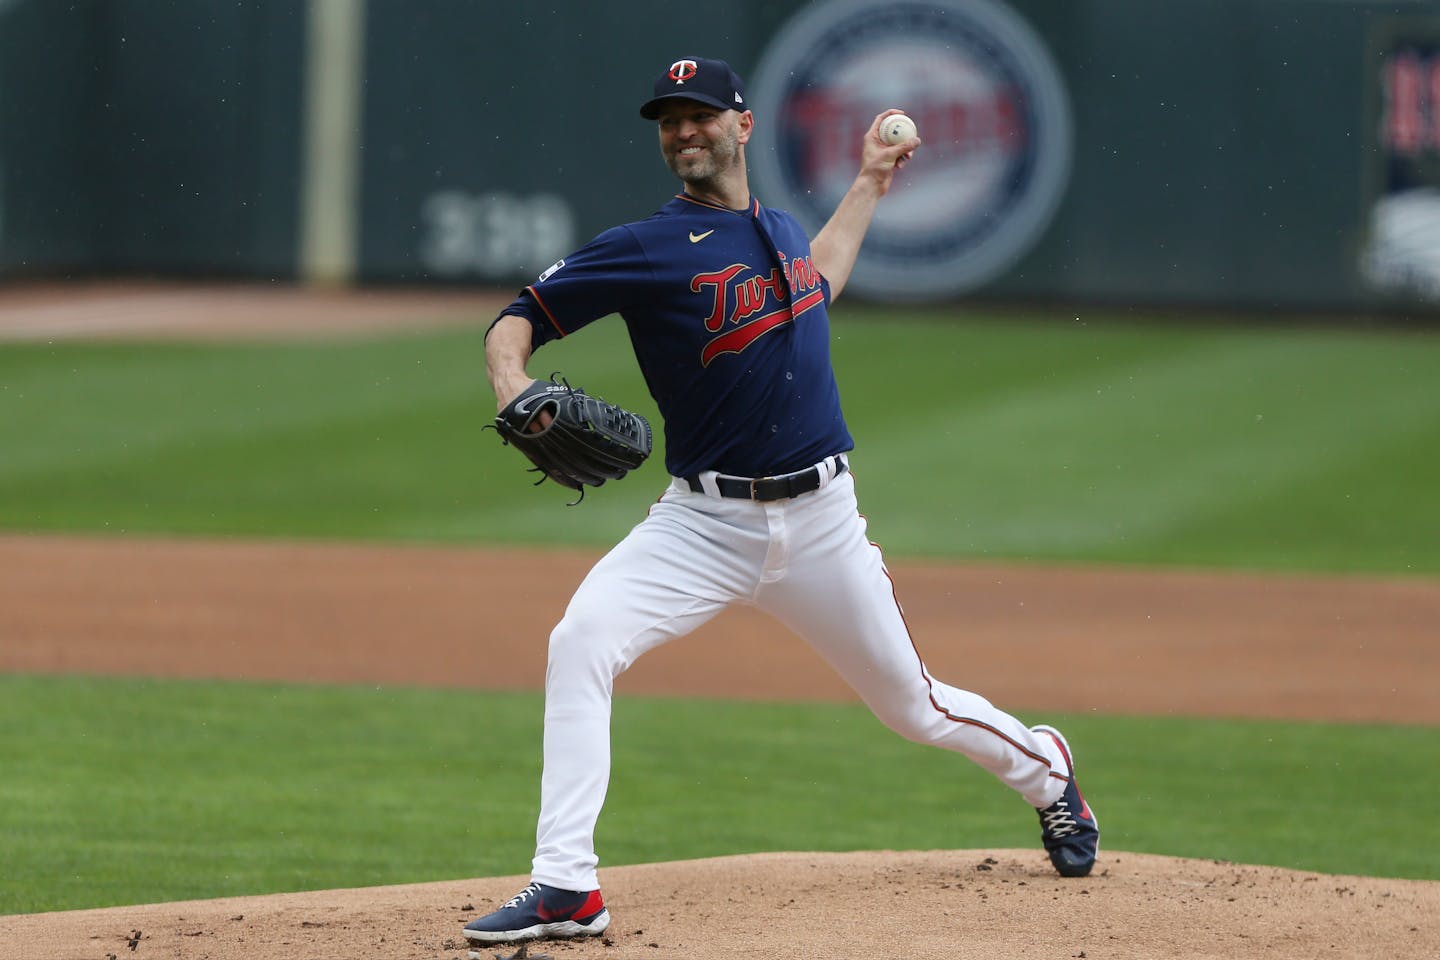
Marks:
<point>766,489</point>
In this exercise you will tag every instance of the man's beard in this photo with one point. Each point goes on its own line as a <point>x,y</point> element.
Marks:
<point>721,155</point>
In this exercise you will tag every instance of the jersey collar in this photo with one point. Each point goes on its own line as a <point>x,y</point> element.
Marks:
<point>753,210</point>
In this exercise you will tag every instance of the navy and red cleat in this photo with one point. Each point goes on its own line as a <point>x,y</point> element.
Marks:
<point>541,912</point>
<point>1068,827</point>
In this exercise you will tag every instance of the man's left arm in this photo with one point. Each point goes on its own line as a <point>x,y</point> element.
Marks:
<point>835,247</point>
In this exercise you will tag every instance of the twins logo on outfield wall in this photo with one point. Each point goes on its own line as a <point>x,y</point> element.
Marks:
<point>991,110</point>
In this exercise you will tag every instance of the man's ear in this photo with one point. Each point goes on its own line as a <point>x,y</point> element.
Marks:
<point>747,126</point>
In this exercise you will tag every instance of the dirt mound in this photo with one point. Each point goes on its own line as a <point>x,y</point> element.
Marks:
<point>999,905</point>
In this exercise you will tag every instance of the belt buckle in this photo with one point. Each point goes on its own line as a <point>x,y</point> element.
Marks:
<point>755,493</point>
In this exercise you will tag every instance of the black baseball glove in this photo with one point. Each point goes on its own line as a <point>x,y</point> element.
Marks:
<point>587,442</point>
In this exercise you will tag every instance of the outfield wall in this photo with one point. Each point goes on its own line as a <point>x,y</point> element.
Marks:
<point>1248,153</point>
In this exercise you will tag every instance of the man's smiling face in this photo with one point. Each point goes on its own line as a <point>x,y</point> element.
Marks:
<point>701,143</point>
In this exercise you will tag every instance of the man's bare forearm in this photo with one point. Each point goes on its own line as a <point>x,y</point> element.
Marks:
<point>507,350</point>
<point>836,246</point>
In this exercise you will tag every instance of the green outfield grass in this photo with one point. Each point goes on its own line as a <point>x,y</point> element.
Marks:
<point>1026,438</point>
<point>127,791</point>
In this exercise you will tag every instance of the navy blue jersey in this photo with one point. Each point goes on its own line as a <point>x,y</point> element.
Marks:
<point>728,318</point>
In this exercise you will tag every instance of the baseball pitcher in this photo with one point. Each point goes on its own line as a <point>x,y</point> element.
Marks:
<point>726,304</point>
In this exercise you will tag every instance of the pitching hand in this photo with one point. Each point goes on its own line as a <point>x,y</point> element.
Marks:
<point>879,159</point>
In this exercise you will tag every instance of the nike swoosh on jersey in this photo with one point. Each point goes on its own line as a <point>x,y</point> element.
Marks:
<point>696,238</point>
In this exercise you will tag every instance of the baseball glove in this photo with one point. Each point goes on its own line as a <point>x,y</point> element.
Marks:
<point>587,442</point>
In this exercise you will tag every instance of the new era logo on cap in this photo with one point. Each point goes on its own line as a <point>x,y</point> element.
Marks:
<point>694,78</point>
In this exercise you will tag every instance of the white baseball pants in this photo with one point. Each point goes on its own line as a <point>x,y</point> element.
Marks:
<point>807,562</point>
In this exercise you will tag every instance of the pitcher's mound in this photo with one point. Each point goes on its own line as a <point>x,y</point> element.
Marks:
<point>997,905</point>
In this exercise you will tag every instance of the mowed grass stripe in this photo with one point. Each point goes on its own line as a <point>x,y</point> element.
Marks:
<point>1024,438</point>
<point>1133,457</point>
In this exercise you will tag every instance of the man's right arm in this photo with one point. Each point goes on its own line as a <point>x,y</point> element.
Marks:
<point>507,350</point>
<point>833,250</point>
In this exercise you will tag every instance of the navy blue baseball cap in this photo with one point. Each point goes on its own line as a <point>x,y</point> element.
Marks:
<point>708,81</point>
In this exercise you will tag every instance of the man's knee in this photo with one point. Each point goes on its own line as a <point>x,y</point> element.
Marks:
<point>912,728</point>
<point>582,651</point>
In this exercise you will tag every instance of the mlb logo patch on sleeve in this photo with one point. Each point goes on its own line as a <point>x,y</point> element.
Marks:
<point>552,268</point>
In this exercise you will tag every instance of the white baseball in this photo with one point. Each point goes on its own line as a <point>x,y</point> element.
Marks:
<point>897,129</point>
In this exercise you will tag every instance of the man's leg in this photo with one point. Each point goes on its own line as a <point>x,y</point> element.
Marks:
<point>837,595</point>
<point>834,591</point>
<point>683,564</point>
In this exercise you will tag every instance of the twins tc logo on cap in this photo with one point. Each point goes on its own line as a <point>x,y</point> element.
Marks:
<point>711,82</point>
